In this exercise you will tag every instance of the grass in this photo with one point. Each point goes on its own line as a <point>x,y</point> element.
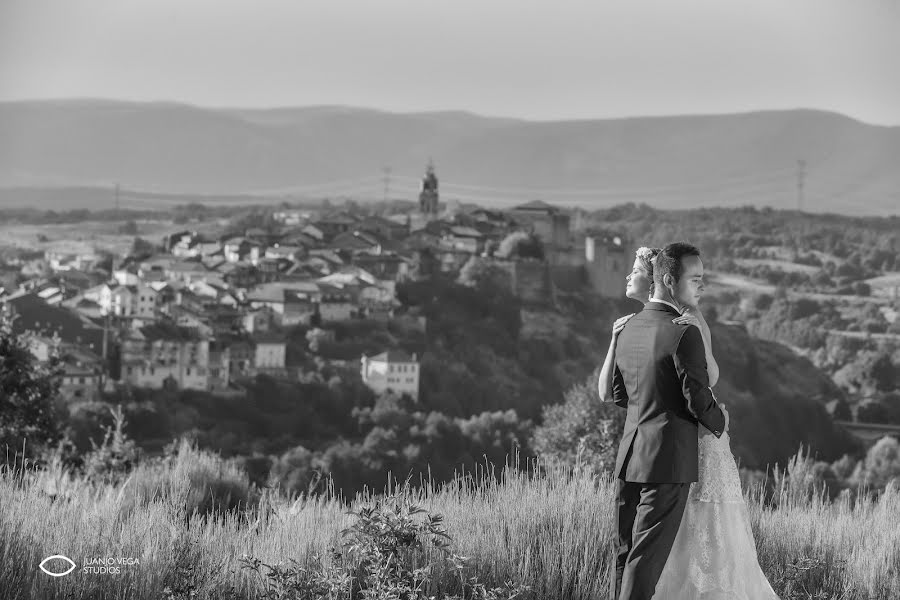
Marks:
<point>551,531</point>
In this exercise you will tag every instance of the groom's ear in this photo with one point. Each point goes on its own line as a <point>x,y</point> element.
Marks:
<point>668,280</point>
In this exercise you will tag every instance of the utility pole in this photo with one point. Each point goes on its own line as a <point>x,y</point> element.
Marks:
<point>387,182</point>
<point>801,180</point>
<point>117,200</point>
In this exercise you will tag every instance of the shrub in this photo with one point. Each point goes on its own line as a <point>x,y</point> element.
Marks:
<point>394,549</point>
<point>115,458</point>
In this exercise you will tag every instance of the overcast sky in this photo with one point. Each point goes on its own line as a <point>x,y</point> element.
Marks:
<point>536,59</point>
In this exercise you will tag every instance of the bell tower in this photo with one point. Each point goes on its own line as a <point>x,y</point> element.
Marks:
<point>428,197</point>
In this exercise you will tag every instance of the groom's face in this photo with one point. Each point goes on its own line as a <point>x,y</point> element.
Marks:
<point>689,288</point>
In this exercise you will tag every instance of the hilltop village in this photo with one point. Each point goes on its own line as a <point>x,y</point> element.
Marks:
<point>202,312</point>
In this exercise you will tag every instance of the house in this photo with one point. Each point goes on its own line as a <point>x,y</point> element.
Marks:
<point>269,352</point>
<point>187,271</point>
<point>606,262</point>
<point>257,321</point>
<point>336,303</point>
<point>393,370</point>
<point>316,233</point>
<point>241,249</point>
<point>292,253</point>
<point>252,355</point>
<point>291,303</point>
<point>164,354</point>
<point>81,369</point>
<point>300,239</point>
<point>334,224</point>
<point>376,302</point>
<point>356,241</point>
<point>154,268</point>
<point>290,217</point>
<point>139,301</point>
<point>171,240</point>
<point>82,374</point>
<point>384,228</point>
<point>466,239</point>
<point>238,275</point>
<point>546,221</point>
<point>386,267</point>
<point>84,306</point>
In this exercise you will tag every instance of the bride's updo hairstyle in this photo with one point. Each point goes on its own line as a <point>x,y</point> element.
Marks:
<point>647,257</point>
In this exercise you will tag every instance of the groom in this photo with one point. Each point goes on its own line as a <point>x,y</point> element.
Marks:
<point>661,378</point>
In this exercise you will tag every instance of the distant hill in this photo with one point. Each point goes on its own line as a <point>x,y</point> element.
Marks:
<point>672,162</point>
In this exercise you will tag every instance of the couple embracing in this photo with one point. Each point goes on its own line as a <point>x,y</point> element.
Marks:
<point>683,530</point>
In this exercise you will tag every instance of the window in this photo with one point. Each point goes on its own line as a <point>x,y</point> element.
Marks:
<point>129,370</point>
<point>187,371</point>
<point>81,380</point>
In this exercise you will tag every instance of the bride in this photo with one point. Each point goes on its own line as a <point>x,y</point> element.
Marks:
<point>714,554</point>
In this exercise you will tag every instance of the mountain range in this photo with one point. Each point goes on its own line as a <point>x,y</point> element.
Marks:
<point>71,152</point>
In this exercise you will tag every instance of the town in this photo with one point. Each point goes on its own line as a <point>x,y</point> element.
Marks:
<point>203,312</point>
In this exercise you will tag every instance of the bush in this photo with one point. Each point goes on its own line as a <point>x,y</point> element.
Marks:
<point>582,431</point>
<point>198,482</point>
<point>880,466</point>
<point>115,458</point>
<point>394,549</point>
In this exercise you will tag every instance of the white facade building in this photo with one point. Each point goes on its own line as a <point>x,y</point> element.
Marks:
<point>392,370</point>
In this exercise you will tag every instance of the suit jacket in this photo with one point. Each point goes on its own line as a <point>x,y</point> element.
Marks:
<point>661,378</point>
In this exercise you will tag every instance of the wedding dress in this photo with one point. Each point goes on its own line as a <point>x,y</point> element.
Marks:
<point>714,554</point>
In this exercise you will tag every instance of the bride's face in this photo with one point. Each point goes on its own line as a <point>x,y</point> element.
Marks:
<point>638,287</point>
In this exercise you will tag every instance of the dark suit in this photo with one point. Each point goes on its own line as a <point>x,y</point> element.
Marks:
<point>661,379</point>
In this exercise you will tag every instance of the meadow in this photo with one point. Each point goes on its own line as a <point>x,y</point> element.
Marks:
<point>191,526</point>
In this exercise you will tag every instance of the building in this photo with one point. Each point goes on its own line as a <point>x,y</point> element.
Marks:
<point>81,370</point>
<point>606,263</point>
<point>548,222</point>
<point>429,195</point>
<point>337,302</point>
<point>269,353</point>
<point>394,371</point>
<point>165,355</point>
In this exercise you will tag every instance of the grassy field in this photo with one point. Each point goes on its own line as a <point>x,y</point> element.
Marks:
<point>551,532</point>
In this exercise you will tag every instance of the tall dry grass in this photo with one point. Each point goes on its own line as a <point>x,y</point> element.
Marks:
<point>189,522</point>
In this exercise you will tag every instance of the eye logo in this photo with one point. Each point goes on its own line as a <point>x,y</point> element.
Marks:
<point>53,574</point>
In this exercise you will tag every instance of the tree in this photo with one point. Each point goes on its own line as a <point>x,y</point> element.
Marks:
<point>881,465</point>
<point>142,247</point>
<point>27,393</point>
<point>582,427</point>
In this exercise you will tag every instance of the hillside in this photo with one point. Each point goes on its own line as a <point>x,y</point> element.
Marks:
<point>776,399</point>
<point>676,162</point>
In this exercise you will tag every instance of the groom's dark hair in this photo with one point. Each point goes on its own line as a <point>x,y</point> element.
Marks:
<point>669,261</point>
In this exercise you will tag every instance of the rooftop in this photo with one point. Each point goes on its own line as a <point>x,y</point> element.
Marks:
<point>394,356</point>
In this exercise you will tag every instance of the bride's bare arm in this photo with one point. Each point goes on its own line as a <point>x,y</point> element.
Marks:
<point>608,371</point>
<point>605,381</point>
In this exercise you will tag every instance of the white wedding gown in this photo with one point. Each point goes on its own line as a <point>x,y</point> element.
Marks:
<point>714,554</point>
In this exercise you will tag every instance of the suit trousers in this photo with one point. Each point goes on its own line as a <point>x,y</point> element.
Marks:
<point>647,519</point>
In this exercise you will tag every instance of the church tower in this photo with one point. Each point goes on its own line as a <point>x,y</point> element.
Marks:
<point>428,197</point>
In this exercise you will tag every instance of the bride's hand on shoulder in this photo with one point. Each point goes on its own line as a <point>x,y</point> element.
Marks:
<point>619,325</point>
<point>688,317</point>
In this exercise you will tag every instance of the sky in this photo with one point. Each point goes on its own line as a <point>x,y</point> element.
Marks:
<point>532,59</point>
